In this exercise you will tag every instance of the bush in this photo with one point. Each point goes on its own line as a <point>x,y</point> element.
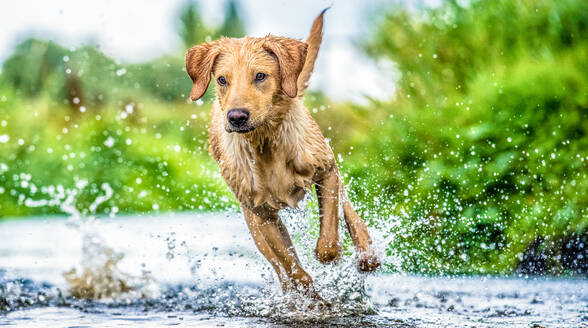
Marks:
<point>484,149</point>
<point>156,161</point>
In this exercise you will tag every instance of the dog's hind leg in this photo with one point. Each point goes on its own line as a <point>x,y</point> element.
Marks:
<point>273,241</point>
<point>327,191</point>
<point>367,259</point>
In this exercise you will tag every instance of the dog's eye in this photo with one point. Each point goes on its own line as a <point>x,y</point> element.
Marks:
<point>221,81</point>
<point>260,77</point>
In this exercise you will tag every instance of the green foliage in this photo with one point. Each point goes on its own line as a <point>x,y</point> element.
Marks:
<point>191,28</point>
<point>31,65</point>
<point>153,157</point>
<point>484,149</point>
<point>193,31</point>
<point>162,79</point>
<point>232,25</point>
<point>87,77</point>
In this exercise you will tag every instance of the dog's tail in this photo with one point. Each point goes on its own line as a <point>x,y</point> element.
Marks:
<point>314,44</point>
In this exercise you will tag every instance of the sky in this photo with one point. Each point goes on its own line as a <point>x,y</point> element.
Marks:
<point>138,30</point>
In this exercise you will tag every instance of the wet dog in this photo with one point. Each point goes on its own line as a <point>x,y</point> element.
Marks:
<point>270,150</point>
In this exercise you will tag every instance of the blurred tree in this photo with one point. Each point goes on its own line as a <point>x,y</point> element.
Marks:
<point>70,76</point>
<point>31,65</point>
<point>461,39</point>
<point>87,77</point>
<point>192,30</point>
<point>163,78</point>
<point>233,25</point>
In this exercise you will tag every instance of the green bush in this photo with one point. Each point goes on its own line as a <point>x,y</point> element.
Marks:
<point>484,149</point>
<point>153,158</point>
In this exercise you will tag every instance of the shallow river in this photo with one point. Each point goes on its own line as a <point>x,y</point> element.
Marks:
<point>202,270</point>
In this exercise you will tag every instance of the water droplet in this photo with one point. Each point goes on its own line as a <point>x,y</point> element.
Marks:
<point>109,142</point>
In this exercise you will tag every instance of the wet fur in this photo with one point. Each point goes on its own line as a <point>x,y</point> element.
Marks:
<point>285,154</point>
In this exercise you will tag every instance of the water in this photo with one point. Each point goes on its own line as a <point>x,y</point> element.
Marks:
<point>202,270</point>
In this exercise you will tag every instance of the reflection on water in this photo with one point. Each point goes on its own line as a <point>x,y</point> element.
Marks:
<point>215,277</point>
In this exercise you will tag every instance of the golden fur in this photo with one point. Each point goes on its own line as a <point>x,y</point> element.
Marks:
<point>282,153</point>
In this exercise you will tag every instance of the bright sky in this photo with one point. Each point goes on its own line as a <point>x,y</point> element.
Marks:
<point>136,30</point>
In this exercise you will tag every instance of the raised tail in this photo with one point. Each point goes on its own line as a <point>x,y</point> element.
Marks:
<point>314,43</point>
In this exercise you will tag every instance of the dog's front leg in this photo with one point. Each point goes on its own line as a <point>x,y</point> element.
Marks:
<point>327,191</point>
<point>273,241</point>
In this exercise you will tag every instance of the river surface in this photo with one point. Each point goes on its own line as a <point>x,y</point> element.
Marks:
<point>202,270</point>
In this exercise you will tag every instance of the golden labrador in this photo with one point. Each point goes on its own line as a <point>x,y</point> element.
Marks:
<point>269,148</point>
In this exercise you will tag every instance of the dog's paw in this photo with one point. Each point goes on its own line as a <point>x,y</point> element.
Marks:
<point>319,304</point>
<point>327,252</point>
<point>368,261</point>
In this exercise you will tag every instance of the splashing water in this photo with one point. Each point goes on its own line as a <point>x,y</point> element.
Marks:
<point>340,283</point>
<point>216,277</point>
<point>207,268</point>
<point>99,276</point>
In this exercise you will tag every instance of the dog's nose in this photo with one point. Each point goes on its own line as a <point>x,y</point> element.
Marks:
<point>238,116</point>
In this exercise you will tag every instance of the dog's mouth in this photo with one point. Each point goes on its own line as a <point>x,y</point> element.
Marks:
<point>239,129</point>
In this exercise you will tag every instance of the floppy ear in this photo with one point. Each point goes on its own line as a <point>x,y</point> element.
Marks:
<point>291,55</point>
<point>199,62</point>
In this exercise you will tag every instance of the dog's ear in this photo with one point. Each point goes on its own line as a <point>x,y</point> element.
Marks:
<point>314,43</point>
<point>291,55</point>
<point>199,62</point>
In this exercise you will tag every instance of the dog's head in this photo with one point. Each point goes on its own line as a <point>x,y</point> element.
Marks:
<point>255,77</point>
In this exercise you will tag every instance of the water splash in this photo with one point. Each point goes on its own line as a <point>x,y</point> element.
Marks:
<point>401,301</point>
<point>98,276</point>
<point>339,283</point>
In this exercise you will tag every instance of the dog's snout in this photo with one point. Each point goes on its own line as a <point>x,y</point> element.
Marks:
<point>238,116</point>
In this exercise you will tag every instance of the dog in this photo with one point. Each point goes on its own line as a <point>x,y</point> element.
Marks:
<point>269,148</point>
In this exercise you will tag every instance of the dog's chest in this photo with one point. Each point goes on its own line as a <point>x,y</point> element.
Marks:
<point>274,180</point>
<point>278,183</point>
<point>265,176</point>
